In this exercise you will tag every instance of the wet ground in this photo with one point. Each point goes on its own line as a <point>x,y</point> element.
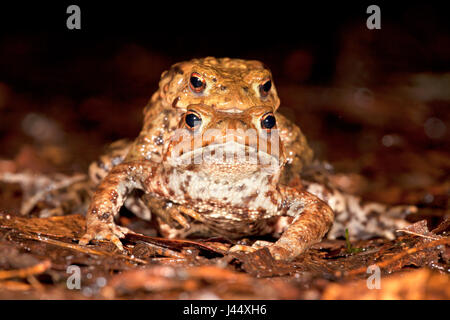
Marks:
<point>382,123</point>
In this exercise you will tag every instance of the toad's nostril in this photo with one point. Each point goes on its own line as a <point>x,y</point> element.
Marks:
<point>237,124</point>
<point>243,123</point>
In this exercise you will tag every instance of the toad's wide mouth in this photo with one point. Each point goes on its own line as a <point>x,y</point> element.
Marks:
<point>230,157</point>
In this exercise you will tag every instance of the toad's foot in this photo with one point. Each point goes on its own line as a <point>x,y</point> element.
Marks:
<point>312,218</point>
<point>109,232</point>
<point>109,198</point>
<point>277,251</point>
<point>259,244</point>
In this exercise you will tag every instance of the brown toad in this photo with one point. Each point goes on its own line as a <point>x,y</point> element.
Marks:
<point>215,158</point>
<point>213,146</point>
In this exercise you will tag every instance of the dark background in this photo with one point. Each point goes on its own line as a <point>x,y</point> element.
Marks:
<point>181,30</point>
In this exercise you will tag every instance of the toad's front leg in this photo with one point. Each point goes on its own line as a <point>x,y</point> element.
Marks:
<point>312,220</point>
<point>110,196</point>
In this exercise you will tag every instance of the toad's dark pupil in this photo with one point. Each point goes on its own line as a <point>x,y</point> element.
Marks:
<point>192,120</point>
<point>196,82</point>
<point>266,86</point>
<point>268,122</point>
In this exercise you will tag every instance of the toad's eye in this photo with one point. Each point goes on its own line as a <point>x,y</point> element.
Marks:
<point>197,83</point>
<point>265,88</point>
<point>192,120</point>
<point>268,121</point>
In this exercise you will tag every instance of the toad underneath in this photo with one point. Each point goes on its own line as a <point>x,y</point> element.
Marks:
<point>213,158</point>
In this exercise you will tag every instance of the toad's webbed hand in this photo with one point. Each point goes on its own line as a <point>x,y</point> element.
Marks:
<point>109,197</point>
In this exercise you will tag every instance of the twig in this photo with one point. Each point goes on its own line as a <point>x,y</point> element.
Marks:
<point>419,234</point>
<point>409,251</point>
<point>83,249</point>
<point>25,272</point>
<point>14,285</point>
<point>35,283</point>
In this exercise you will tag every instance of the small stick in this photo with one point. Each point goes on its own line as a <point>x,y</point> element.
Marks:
<point>418,234</point>
<point>35,283</point>
<point>14,285</point>
<point>409,251</point>
<point>25,272</point>
<point>82,249</point>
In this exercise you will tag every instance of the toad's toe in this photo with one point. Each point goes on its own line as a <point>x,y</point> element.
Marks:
<point>280,253</point>
<point>110,233</point>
